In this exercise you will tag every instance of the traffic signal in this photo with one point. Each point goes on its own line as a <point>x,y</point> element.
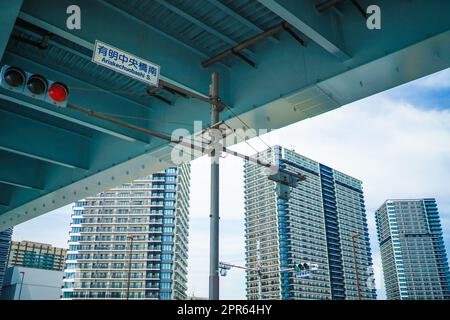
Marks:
<point>34,85</point>
<point>285,178</point>
<point>299,267</point>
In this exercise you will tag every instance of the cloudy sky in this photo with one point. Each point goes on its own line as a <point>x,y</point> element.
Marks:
<point>396,142</point>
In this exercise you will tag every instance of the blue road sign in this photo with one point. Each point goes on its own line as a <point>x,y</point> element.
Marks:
<point>125,63</point>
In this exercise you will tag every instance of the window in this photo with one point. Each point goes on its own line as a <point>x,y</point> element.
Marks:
<point>169,211</point>
<point>168,220</point>
<point>166,266</point>
<point>166,256</point>
<point>165,285</point>
<point>164,295</point>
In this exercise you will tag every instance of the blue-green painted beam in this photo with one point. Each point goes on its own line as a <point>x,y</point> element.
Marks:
<point>50,144</point>
<point>159,31</point>
<point>202,25</point>
<point>97,86</point>
<point>19,172</point>
<point>42,107</point>
<point>290,83</point>
<point>5,195</point>
<point>179,64</point>
<point>9,10</point>
<point>240,18</point>
<point>317,26</point>
<point>88,98</point>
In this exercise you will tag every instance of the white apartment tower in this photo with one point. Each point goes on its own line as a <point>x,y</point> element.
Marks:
<point>131,242</point>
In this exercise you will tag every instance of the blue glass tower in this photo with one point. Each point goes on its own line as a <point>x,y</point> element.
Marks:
<point>415,265</point>
<point>5,243</point>
<point>130,242</point>
<point>323,222</point>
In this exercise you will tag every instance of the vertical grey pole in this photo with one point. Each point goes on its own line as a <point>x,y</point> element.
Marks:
<point>129,266</point>
<point>214,210</point>
<point>258,248</point>
<point>21,284</point>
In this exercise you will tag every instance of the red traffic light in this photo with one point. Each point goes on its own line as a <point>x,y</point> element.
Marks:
<point>58,92</point>
<point>15,77</point>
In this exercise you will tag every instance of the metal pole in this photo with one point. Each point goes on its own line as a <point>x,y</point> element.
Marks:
<point>21,284</point>
<point>166,137</point>
<point>258,248</point>
<point>358,286</point>
<point>129,266</point>
<point>214,210</point>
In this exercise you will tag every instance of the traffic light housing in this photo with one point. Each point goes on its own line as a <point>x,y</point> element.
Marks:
<point>284,181</point>
<point>34,85</point>
<point>299,267</point>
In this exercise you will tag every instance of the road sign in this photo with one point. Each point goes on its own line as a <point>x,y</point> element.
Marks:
<point>125,63</point>
<point>302,274</point>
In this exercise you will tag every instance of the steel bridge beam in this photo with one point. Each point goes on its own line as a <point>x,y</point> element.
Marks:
<point>101,103</point>
<point>201,24</point>
<point>9,10</point>
<point>50,144</point>
<point>20,172</point>
<point>180,65</point>
<point>305,18</point>
<point>123,11</point>
<point>5,196</point>
<point>239,18</point>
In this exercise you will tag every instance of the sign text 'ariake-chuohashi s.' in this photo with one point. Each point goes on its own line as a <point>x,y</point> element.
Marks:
<point>125,63</point>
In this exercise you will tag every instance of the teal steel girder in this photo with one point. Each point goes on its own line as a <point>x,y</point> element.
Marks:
<point>50,157</point>
<point>9,10</point>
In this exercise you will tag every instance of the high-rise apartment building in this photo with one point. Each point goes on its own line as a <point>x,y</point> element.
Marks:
<point>5,242</point>
<point>36,255</point>
<point>415,265</point>
<point>317,224</point>
<point>131,241</point>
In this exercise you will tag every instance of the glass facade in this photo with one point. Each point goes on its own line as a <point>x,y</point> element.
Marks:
<point>314,225</point>
<point>131,241</point>
<point>415,265</point>
<point>5,242</point>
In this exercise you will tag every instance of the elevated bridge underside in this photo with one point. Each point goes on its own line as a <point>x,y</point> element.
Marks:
<point>50,157</point>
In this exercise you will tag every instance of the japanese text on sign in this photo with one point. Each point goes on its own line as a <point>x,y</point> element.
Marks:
<point>125,63</point>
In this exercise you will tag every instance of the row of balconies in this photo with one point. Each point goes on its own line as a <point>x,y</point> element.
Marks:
<point>112,276</point>
<point>120,230</point>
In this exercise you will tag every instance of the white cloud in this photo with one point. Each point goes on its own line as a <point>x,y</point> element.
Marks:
<point>397,150</point>
<point>439,80</point>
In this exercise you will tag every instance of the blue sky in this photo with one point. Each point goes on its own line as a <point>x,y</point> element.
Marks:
<point>396,142</point>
